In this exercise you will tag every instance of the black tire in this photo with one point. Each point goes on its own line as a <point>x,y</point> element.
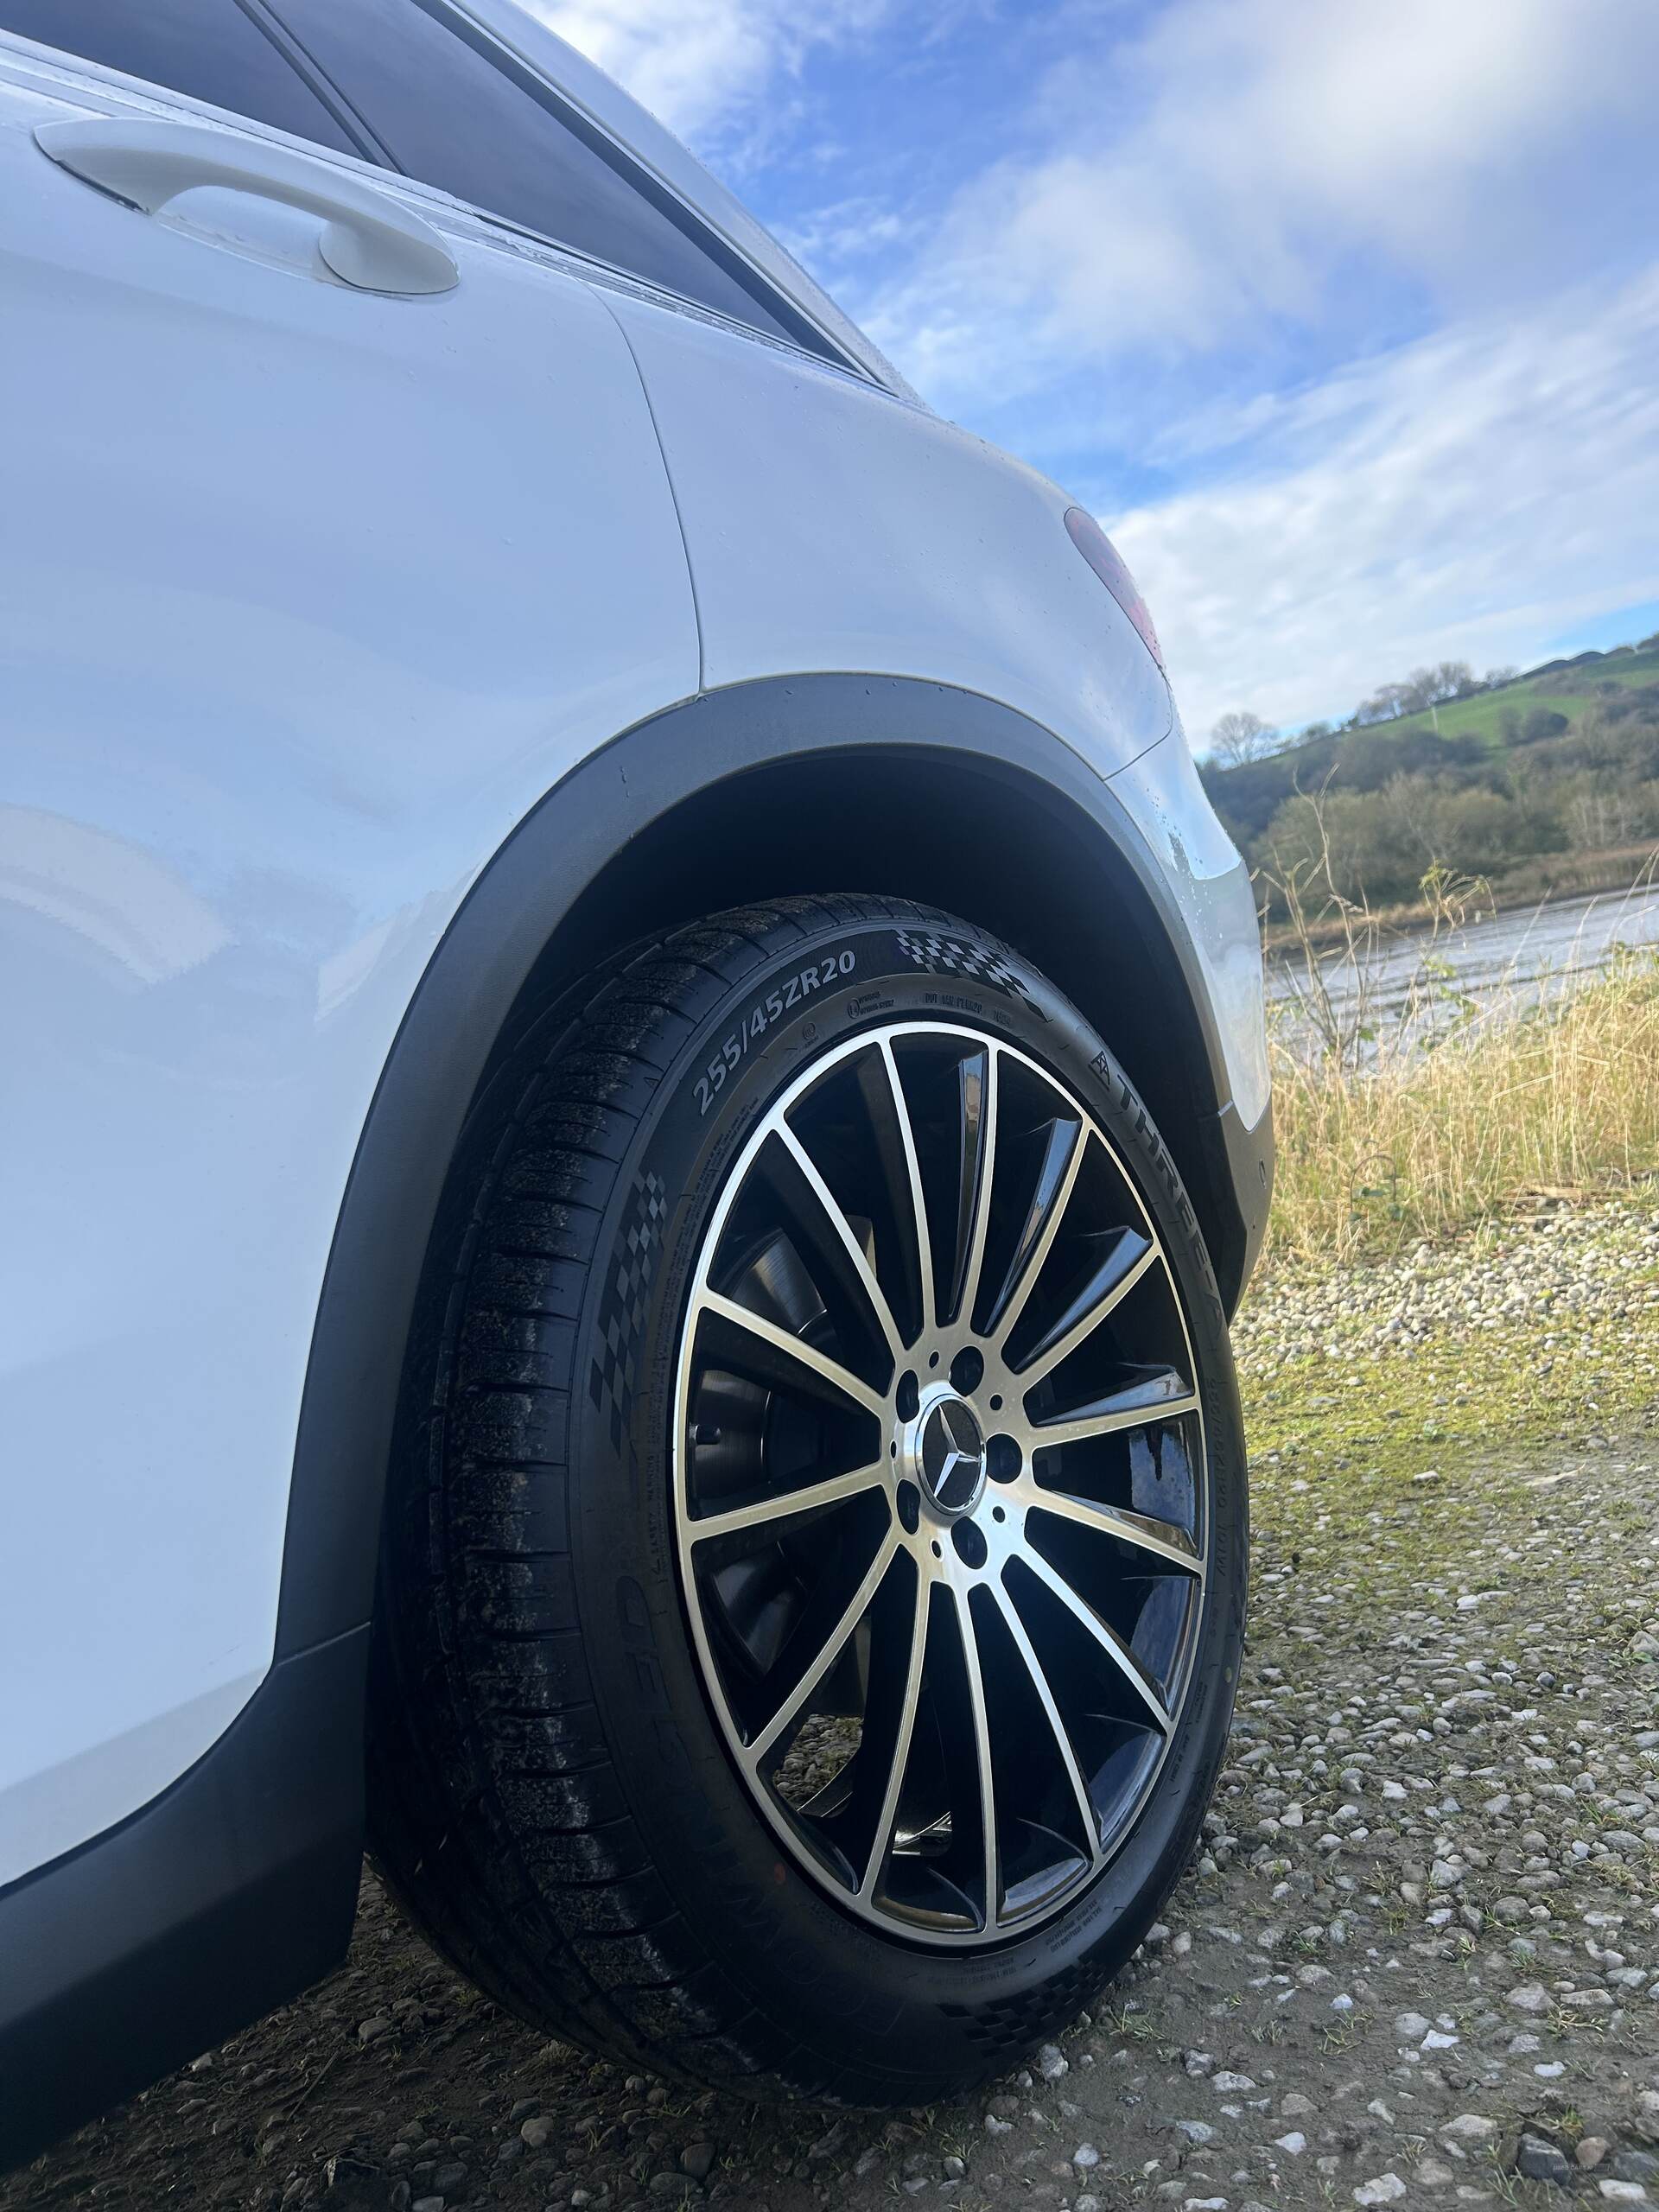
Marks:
<point>550,1796</point>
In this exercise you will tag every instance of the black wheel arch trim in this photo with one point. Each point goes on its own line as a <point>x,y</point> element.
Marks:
<point>275,1910</point>
<point>467,993</point>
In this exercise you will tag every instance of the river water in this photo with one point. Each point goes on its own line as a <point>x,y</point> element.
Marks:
<point>1419,984</point>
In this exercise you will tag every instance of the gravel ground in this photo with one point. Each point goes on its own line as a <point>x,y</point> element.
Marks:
<point>1416,1963</point>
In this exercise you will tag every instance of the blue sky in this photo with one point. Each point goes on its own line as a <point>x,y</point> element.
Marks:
<point>1343,315</point>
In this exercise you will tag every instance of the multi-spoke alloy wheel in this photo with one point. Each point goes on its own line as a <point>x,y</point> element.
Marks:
<point>941,1506</point>
<point>814,1575</point>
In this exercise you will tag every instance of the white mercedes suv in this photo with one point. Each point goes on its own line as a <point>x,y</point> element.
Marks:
<point>634,1102</point>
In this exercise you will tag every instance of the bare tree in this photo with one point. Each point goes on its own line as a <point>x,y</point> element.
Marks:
<point>1386,704</point>
<point>1240,736</point>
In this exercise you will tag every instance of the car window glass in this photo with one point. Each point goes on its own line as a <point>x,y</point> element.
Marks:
<point>206,48</point>
<point>450,118</point>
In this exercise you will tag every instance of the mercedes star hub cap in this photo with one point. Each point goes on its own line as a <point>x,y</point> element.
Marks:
<point>945,1453</point>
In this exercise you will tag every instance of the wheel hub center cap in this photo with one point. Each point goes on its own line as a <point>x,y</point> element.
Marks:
<point>946,1454</point>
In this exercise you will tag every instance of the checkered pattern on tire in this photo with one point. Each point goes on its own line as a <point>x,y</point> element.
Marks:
<point>623,1314</point>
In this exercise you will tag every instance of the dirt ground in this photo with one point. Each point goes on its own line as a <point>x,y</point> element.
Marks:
<point>1416,1963</point>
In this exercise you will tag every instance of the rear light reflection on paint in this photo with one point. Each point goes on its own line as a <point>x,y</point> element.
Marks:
<point>1107,562</point>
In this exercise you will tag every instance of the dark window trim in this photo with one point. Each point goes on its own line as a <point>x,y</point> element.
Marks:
<point>322,89</point>
<point>667,203</point>
<point>289,55</point>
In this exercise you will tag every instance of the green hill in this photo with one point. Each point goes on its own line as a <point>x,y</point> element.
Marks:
<point>1548,781</point>
<point>1564,686</point>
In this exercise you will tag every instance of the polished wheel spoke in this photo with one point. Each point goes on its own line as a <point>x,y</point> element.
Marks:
<point>922,1243</point>
<point>1129,1261</point>
<point>827,1652</point>
<point>1108,1638</point>
<point>835,1490</point>
<point>976,1154</point>
<point>1056,1180</point>
<point>903,1734</point>
<point>857,1257</point>
<point>1161,1540</point>
<point>840,1378</point>
<point>982,1728</point>
<point>1039,1682</point>
<point>1138,1407</point>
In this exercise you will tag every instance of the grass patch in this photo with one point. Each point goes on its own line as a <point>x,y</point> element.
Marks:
<point>1482,716</point>
<point>1397,1407</point>
<point>1560,1098</point>
<point>1499,1403</point>
<point>1567,691</point>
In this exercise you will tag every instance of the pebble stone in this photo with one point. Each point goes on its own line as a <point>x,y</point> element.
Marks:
<point>1414,1959</point>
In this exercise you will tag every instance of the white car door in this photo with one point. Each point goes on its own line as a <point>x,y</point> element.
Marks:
<point>336,531</point>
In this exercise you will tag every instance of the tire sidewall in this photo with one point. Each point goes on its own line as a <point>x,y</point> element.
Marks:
<point>920,2016</point>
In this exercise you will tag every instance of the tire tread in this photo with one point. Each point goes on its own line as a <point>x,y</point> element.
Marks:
<point>496,1812</point>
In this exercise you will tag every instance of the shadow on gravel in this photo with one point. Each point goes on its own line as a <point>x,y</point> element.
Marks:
<point>1416,1962</point>
<point>393,2083</point>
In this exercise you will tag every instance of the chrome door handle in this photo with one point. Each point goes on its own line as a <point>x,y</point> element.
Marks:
<point>367,239</point>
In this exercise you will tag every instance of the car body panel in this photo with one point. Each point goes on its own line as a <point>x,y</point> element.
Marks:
<point>832,527</point>
<point>315,592</point>
<point>318,595</point>
<point>1210,886</point>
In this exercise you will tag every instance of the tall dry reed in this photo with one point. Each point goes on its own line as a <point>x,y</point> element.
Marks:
<point>1554,1098</point>
<point>1405,1116</point>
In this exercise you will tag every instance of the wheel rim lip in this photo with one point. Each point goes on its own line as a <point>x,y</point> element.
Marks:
<point>1000,1929</point>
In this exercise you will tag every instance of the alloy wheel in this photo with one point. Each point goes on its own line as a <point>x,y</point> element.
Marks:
<point>940,1484</point>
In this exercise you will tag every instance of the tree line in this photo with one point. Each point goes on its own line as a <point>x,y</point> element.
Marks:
<point>1242,736</point>
<point>1386,807</point>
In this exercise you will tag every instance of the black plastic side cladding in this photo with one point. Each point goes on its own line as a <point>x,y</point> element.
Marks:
<point>223,1899</point>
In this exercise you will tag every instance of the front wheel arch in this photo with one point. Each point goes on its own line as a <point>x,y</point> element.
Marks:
<point>556,1797</point>
<point>786,785</point>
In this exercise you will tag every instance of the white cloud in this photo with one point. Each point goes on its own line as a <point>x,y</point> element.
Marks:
<point>700,64</point>
<point>1240,162</point>
<point>1229,185</point>
<point>845,230</point>
<point>1469,497</point>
